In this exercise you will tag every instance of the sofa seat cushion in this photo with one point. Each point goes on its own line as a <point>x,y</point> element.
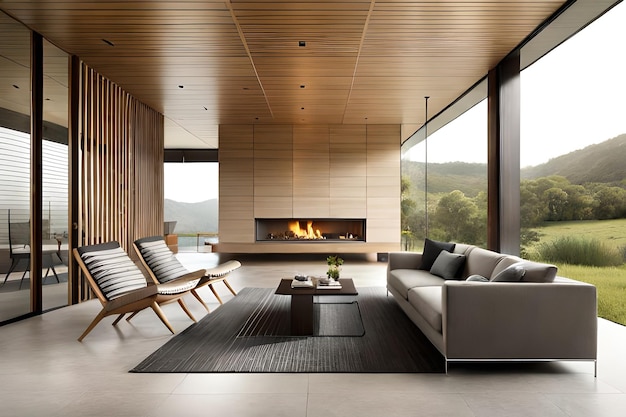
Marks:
<point>427,302</point>
<point>402,280</point>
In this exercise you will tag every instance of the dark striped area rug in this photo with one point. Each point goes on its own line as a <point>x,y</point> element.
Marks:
<point>248,334</point>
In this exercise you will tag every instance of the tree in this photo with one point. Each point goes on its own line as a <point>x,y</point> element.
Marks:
<point>610,203</point>
<point>556,200</point>
<point>457,218</point>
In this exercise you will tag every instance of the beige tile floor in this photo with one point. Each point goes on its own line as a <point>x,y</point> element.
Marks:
<point>44,371</point>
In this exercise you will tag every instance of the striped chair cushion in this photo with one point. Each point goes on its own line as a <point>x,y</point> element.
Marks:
<point>161,260</point>
<point>114,272</point>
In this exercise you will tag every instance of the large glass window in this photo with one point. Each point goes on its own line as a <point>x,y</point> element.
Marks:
<point>14,168</point>
<point>573,148</point>
<point>191,201</point>
<point>444,180</point>
<point>55,176</point>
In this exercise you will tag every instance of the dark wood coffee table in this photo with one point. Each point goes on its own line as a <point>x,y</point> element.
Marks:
<point>302,303</point>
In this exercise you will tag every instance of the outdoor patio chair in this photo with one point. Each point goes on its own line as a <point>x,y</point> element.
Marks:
<point>163,266</point>
<point>122,288</point>
<point>19,249</point>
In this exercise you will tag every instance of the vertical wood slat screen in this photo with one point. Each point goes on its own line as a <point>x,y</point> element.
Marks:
<point>121,164</point>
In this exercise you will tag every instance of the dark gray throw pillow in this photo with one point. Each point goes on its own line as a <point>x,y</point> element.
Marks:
<point>447,265</point>
<point>432,249</point>
<point>512,273</point>
<point>477,278</point>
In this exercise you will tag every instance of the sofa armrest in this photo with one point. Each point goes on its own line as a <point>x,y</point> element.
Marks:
<point>503,320</point>
<point>403,260</point>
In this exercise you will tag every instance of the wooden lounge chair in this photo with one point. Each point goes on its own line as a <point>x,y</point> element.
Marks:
<point>163,266</point>
<point>117,282</point>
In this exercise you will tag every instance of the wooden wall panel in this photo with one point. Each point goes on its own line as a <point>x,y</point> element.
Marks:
<point>273,171</point>
<point>311,165</point>
<point>310,171</point>
<point>348,171</point>
<point>121,164</point>
<point>236,185</point>
<point>383,183</point>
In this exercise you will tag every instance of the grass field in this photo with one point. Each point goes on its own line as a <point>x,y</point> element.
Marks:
<point>610,281</point>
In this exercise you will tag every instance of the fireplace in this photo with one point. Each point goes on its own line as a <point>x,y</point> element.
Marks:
<point>310,230</point>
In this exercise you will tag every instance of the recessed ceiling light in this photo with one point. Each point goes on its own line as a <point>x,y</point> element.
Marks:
<point>302,44</point>
<point>108,42</point>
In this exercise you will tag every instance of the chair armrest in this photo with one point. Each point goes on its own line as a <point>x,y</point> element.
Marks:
<point>503,320</point>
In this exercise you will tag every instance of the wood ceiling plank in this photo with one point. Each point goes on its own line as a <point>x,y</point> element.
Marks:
<point>241,60</point>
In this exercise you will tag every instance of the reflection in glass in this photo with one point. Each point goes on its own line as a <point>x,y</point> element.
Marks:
<point>55,176</point>
<point>14,168</point>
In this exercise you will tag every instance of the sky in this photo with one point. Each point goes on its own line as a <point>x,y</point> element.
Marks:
<point>573,97</point>
<point>191,182</point>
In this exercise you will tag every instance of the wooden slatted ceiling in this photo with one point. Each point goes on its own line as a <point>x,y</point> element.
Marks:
<point>239,61</point>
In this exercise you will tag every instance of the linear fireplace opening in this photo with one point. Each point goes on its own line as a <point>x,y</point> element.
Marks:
<point>310,230</point>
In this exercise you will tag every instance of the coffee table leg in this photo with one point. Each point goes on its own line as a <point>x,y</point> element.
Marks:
<point>301,315</point>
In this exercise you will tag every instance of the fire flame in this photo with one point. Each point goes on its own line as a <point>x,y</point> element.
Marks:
<point>300,233</point>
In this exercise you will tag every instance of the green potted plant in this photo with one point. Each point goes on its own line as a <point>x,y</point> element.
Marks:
<point>334,266</point>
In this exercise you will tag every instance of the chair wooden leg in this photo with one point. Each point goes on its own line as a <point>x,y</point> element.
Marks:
<point>229,287</point>
<point>131,316</point>
<point>186,310</point>
<point>195,294</point>
<point>93,324</point>
<point>215,293</point>
<point>159,313</point>
<point>118,319</point>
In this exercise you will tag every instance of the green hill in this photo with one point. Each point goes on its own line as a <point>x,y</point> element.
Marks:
<point>602,162</point>
<point>444,178</point>
<point>192,217</point>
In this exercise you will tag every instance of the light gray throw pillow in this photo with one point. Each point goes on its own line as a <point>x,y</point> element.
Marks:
<point>512,273</point>
<point>477,278</point>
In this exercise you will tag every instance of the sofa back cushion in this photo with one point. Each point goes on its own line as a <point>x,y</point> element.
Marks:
<point>538,272</point>
<point>481,262</point>
<point>534,271</point>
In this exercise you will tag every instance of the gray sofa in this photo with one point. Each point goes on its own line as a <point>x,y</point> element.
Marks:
<point>535,317</point>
